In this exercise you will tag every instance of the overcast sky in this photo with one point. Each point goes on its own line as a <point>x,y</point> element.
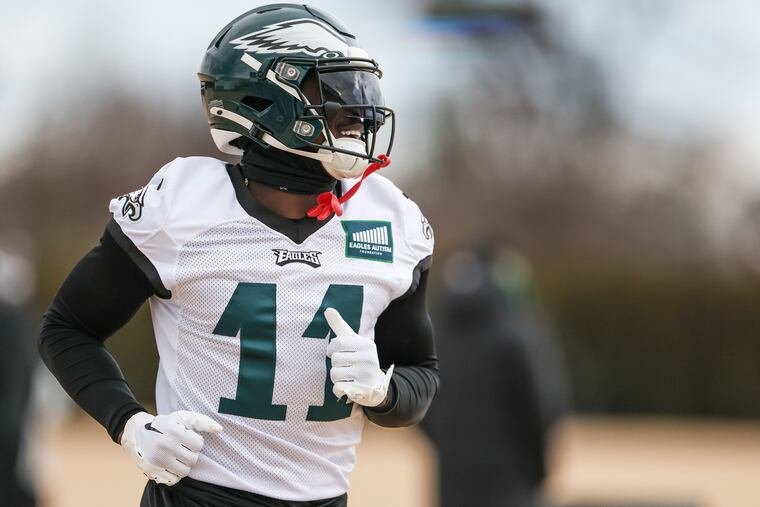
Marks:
<point>686,71</point>
<point>56,54</point>
<point>678,69</point>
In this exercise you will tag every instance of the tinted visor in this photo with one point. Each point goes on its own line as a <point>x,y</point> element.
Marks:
<point>355,88</point>
<point>351,87</point>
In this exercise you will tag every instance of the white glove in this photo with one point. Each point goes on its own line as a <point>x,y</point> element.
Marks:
<point>165,447</point>
<point>355,370</point>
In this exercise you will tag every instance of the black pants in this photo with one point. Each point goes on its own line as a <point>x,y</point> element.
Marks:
<point>191,493</point>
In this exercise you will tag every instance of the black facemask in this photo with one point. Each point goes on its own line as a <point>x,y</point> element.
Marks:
<point>285,171</point>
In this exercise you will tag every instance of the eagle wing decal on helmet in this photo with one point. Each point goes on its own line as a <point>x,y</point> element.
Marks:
<point>294,36</point>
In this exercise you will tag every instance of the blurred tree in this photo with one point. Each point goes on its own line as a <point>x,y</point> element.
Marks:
<point>528,151</point>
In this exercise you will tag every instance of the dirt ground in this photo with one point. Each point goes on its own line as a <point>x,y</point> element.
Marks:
<point>599,461</point>
<point>651,461</point>
<point>400,457</point>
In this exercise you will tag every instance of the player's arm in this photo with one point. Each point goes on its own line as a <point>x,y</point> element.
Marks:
<point>404,338</point>
<point>102,292</point>
<point>100,295</point>
<point>395,377</point>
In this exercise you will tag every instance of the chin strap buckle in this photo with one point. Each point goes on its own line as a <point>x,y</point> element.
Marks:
<point>328,203</point>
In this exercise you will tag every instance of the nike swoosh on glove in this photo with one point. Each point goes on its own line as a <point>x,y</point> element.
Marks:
<point>355,370</point>
<point>165,447</point>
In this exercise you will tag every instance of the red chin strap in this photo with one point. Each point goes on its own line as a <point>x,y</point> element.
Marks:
<point>328,203</point>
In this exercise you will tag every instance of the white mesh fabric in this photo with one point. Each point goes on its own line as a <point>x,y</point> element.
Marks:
<point>293,459</point>
<point>215,245</point>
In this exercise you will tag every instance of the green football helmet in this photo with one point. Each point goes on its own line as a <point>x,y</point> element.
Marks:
<point>293,78</point>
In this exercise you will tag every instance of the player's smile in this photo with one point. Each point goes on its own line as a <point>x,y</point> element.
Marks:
<point>348,129</point>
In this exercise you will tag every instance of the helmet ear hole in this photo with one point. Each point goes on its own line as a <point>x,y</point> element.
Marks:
<point>258,104</point>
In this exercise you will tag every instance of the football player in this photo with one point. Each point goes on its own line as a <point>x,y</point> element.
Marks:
<point>288,305</point>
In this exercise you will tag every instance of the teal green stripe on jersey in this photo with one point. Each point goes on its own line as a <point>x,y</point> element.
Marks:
<point>369,239</point>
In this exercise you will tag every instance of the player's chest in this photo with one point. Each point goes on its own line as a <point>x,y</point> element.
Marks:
<point>244,267</point>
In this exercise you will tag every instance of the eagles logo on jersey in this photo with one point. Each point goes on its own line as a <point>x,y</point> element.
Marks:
<point>243,333</point>
<point>133,204</point>
<point>285,257</point>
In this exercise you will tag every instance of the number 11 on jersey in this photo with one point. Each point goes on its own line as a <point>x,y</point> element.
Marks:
<point>252,311</point>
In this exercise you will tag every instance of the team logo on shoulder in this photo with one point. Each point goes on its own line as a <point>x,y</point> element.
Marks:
<point>287,256</point>
<point>427,229</point>
<point>369,239</point>
<point>306,36</point>
<point>132,207</point>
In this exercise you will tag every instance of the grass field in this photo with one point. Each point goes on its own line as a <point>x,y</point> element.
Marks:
<point>594,461</point>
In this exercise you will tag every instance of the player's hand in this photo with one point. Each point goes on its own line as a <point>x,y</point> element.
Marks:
<point>355,370</point>
<point>166,447</point>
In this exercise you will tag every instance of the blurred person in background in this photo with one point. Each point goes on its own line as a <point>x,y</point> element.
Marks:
<point>280,327</point>
<point>16,368</point>
<point>504,385</point>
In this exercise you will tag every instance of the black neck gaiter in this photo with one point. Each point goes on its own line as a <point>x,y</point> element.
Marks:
<point>285,171</point>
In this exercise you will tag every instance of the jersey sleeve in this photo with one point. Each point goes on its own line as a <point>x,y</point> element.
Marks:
<point>419,239</point>
<point>404,332</point>
<point>139,225</point>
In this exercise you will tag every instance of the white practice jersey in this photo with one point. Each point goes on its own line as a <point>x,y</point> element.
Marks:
<point>239,318</point>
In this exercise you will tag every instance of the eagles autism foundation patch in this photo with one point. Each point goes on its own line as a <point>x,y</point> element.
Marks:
<point>369,239</point>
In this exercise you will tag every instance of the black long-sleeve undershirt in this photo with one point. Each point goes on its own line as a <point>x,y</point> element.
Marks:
<point>102,292</point>
<point>105,290</point>
<point>404,337</point>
